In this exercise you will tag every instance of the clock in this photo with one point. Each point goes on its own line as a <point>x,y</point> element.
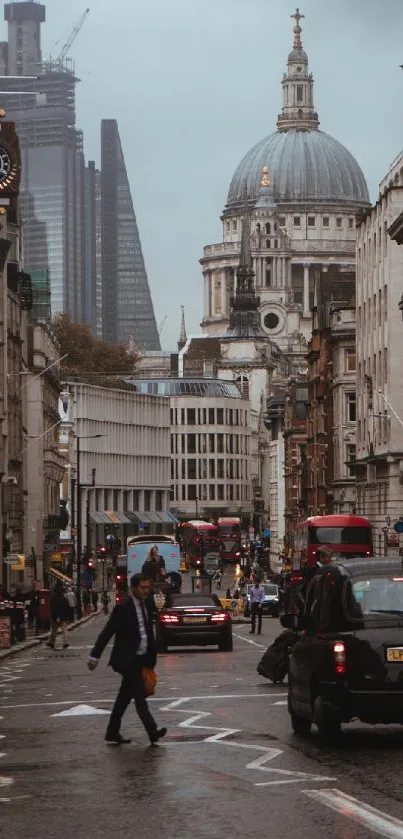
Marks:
<point>5,164</point>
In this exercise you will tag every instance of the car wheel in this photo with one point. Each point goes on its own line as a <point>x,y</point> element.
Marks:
<point>300,725</point>
<point>226,645</point>
<point>327,721</point>
<point>162,646</point>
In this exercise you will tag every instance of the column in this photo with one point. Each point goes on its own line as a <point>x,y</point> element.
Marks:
<point>206,294</point>
<point>224,292</point>
<point>306,311</point>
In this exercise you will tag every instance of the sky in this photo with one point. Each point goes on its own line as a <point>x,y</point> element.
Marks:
<point>194,84</point>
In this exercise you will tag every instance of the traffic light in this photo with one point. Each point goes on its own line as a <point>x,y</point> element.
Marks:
<point>101,553</point>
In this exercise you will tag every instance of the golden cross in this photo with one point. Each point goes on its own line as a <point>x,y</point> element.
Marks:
<point>297,16</point>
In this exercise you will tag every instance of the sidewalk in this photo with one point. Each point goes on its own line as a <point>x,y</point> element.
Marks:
<point>37,639</point>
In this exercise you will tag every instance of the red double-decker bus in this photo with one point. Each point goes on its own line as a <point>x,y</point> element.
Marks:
<point>200,544</point>
<point>229,535</point>
<point>347,536</point>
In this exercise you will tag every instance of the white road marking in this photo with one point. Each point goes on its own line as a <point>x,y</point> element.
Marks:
<point>266,754</point>
<point>80,711</point>
<point>249,641</point>
<point>358,811</point>
<point>5,782</point>
<point>15,798</point>
<point>283,702</point>
<point>150,699</point>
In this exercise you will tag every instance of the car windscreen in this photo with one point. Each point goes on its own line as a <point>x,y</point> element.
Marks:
<point>374,598</point>
<point>196,600</point>
<point>271,590</point>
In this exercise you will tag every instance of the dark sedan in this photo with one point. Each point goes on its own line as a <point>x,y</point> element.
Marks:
<point>194,620</point>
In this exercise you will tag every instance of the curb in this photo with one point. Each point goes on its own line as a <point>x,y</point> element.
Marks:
<point>34,642</point>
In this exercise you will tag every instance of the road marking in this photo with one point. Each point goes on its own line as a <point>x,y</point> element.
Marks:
<point>358,811</point>
<point>80,711</point>
<point>5,782</point>
<point>266,753</point>
<point>283,702</point>
<point>249,641</point>
<point>263,694</point>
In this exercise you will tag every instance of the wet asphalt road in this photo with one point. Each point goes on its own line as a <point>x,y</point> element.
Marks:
<point>228,767</point>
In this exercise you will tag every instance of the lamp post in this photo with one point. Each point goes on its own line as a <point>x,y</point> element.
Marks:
<point>79,517</point>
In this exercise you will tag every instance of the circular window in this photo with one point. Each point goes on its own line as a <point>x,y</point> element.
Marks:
<point>271,320</point>
<point>299,69</point>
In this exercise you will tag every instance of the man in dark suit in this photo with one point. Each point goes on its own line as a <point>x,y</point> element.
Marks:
<point>133,648</point>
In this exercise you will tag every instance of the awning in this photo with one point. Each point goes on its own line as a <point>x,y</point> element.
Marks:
<point>172,517</point>
<point>131,517</point>
<point>99,518</point>
<point>164,518</point>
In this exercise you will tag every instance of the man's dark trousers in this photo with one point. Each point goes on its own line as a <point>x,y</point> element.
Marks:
<point>132,687</point>
<point>255,609</point>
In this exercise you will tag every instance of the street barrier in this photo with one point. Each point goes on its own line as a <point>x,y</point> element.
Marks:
<point>235,606</point>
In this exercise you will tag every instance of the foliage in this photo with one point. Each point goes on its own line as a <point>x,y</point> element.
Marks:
<point>88,358</point>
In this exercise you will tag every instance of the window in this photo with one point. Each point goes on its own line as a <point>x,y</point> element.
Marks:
<point>339,222</point>
<point>234,225</point>
<point>191,416</point>
<point>211,416</point>
<point>297,221</point>
<point>281,221</point>
<point>192,469</point>
<point>351,223</point>
<point>268,228</point>
<point>311,221</point>
<point>242,383</point>
<point>300,93</point>
<point>211,490</point>
<point>326,221</point>
<point>211,468</point>
<point>220,416</point>
<point>350,458</point>
<point>191,443</point>
<point>208,370</point>
<point>220,443</point>
<point>220,468</point>
<point>220,492</point>
<point>228,226</point>
<point>192,492</point>
<point>211,443</point>
<point>351,361</point>
<point>351,407</point>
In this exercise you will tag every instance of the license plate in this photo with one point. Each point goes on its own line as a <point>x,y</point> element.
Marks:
<point>194,620</point>
<point>394,654</point>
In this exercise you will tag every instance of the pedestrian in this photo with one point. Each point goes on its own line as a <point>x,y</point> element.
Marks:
<point>72,601</point>
<point>154,566</point>
<point>257,594</point>
<point>86,601</point>
<point>94,598</point>
<point>105,600</point>
<point>59,616</point>
<point>32,604</point>
<point>134,648</point>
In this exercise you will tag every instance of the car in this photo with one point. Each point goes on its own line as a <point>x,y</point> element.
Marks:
<point>271,605</point>
<point>196,620</point>
<point>348,660</point>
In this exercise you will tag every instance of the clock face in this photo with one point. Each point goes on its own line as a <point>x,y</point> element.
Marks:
<point>5,164</point>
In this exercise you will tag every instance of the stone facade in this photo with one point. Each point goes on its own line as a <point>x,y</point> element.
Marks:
<point>379,466</point>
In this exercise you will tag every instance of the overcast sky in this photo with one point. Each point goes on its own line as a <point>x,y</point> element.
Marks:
<point>194,84</point>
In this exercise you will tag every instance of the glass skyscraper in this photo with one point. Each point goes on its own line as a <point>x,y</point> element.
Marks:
<point>127,308</point>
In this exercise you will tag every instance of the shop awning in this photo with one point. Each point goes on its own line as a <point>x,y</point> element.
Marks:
<point>124,517</point>
<point>99,518</point>
<point>164,518</point>
<point>172,517</point>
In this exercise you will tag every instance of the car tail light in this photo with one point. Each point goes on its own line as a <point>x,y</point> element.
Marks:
<point>220,617</point>
<point>339,654</point>
<point>169,619</point>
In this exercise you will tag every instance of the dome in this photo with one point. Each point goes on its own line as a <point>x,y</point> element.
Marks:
<point>305,167</point>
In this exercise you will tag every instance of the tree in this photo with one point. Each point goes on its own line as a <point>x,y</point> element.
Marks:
<point>93,360</point>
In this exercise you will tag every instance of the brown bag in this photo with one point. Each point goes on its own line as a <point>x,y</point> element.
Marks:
<point>150,680</point>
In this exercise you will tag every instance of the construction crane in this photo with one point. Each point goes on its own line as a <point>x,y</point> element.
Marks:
<point>161,325</point>
<point>70,41</point>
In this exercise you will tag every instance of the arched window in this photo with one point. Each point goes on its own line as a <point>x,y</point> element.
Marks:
<point>242,383</point>
<point>268,228</point>
<point>258,228</point>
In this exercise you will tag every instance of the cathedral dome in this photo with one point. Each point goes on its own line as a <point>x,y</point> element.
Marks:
<point>305,166</point>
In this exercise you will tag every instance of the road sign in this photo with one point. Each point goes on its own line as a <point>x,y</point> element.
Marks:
<point>266,533</point>
<point>12,559</point>
<point>398,527</point>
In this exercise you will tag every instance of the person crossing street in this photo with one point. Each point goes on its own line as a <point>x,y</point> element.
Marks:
<point>257,594</point>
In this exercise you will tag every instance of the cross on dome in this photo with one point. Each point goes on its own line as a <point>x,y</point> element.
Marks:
<point>297,29</point>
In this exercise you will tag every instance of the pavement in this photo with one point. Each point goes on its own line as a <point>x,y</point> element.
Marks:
<point>229,766</point>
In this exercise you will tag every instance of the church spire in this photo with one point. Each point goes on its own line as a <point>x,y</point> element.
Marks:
<point>244,318</point>
<point>298,109</point>
<point>183,335</point>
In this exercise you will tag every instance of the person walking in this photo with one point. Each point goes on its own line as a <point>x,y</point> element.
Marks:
<point>86,601</point>
<point>72,601</point>
<point>32,604</point>
<point>134,648</point>
<point>59,616</point>
<point>257,594</point>
<point>94,599</point>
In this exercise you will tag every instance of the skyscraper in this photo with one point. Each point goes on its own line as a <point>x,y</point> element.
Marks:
<point>92,314</point>
<point>127,308</point>
<point>52,186</point>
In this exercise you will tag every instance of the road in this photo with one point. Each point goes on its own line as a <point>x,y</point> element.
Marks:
<point>229,767</point>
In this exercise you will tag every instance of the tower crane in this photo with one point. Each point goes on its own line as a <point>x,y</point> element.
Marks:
<point>161,325</point>
<point>73,35</point>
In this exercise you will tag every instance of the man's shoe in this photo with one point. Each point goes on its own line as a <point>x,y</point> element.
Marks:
<point>251,632</point>
<point>161,732</point>
<point>65,646</point>
<point>116,739</point>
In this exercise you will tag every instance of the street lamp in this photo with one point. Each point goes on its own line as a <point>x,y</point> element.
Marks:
<point>79,517</point>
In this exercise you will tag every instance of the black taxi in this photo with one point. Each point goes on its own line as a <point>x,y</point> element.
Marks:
<point>348,660</point>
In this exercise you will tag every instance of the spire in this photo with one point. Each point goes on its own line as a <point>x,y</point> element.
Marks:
<point>182,336</point>
<point>244,318</point>
<point>265,199</point>
<point>298,109</point>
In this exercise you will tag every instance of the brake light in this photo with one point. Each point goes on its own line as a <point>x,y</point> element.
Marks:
<point>169,619</point>
<point>220,617</point>
<point>339,654</point>
<point>118,577</point>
